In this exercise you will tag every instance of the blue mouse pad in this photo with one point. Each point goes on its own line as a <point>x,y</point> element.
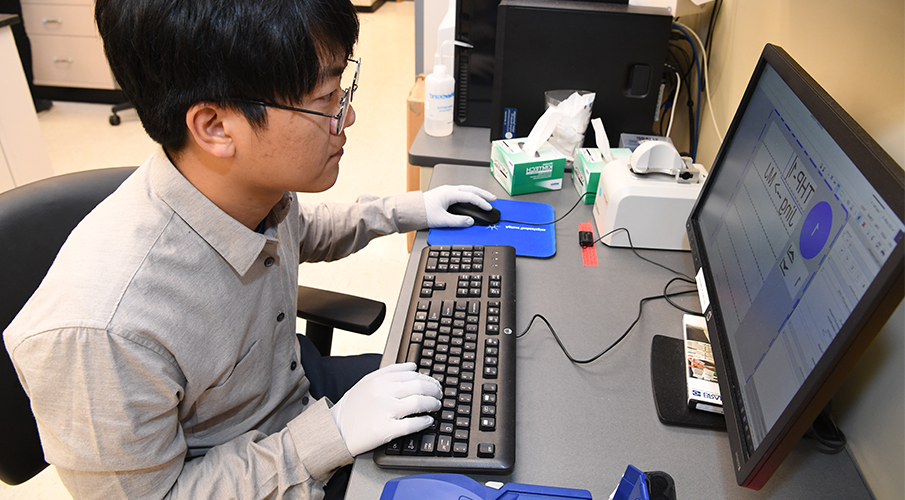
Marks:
<point>528,240</point>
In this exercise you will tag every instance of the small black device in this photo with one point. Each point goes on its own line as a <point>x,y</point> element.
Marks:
<point>585,238</point>
<point>481,217</point>
<point>797,237</point>
<point>459,329</point>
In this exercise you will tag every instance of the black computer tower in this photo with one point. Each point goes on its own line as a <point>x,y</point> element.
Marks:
<point>617,51</point>
<point>476,24</point>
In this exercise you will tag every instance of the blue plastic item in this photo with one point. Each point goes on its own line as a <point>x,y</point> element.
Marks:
<point>459,487</point>
<point>529,240</point>
<point>632,486</point>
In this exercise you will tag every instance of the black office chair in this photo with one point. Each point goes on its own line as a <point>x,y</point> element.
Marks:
<point>35,221</point>
<point>114,117</point>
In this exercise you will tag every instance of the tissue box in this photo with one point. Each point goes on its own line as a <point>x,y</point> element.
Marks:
<point>587,167</point>
<point>519,173</point>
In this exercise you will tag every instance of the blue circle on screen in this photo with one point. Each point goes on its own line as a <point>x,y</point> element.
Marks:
<point>816,230</point>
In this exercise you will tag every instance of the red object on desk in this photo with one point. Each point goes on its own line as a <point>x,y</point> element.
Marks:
<point>588,254</point>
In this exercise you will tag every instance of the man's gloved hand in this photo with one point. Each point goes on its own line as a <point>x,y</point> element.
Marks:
<point>373,411</point>
<point>437,200</point>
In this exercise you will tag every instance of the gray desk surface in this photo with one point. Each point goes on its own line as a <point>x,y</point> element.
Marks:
<point>579,426</point>
<point>465,146</point>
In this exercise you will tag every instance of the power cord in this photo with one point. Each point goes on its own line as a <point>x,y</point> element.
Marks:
<point>632,246</point>
<point>830,439</point>
<point>666,295</point>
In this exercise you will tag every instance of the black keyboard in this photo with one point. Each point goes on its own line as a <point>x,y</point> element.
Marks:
<point>460,329</point>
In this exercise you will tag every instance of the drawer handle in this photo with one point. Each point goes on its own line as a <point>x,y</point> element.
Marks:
<point>52,21</point>
<point>59,60</point>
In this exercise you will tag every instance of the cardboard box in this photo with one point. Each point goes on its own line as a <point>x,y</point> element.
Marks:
<point>519,173</point>
<point>414,117</point>
<point>587,167</point>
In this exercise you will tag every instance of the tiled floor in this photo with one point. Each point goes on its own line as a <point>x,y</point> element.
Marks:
<point>79,137</point>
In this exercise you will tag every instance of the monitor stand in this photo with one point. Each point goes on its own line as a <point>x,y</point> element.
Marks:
<point>667,365</point>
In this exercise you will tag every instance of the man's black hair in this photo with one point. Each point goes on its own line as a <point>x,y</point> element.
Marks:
<point>168,55</point>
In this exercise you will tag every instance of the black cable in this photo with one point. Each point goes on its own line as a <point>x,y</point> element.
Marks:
<point>677,306</point>
<point>686,82</point>
<point>580,199</point>
<point>830,439</point>
<point>665,295</point>
<point>669,100</point>
<point>714,15</point>
<point>632,246</point>
<point>673,47</point>
<point>614,344</point>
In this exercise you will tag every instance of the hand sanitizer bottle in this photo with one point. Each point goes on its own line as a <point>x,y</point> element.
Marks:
<point>439,93</point>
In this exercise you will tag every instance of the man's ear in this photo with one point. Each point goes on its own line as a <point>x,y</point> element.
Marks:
<point>211,127</point>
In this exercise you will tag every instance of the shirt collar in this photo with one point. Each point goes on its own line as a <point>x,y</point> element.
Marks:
<point>238,245</point>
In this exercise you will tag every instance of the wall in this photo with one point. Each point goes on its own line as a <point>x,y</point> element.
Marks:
<point>856,51</point>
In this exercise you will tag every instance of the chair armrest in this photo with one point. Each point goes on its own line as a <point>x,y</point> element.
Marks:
<point>339,310</point>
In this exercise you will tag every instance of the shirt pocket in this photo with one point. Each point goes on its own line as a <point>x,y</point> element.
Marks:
<point>231,407</point>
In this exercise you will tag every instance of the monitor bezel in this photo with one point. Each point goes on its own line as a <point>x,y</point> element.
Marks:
<point>754,467</point>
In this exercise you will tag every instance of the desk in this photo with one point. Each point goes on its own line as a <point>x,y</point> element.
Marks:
<point>465,146</point>
<point>579,426</point>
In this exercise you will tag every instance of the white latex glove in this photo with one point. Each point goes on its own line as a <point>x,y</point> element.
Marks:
<point>437,200</point>
<point>373,411</point>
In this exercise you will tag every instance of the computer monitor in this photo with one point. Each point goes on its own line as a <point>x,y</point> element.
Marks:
<point>797,238</point>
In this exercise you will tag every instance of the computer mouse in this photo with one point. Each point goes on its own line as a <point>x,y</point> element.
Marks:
<point>481,217</point>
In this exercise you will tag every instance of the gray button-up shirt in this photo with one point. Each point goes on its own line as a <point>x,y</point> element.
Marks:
<point>160,353</point>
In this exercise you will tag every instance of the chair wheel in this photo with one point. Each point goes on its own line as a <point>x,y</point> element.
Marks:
<point>115,120</point>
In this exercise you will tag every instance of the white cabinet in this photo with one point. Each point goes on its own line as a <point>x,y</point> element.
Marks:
<point>23,153</point>
<point>66,48</point>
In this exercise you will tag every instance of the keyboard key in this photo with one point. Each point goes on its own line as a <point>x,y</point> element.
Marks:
<point>414,354</point>
<point>444,445</point>
<point>427,444</point>
<point>486,450</point>
<point>411,444</point>
<point>394,447</point>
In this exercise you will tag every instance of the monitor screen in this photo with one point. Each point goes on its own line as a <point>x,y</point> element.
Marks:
<point>797,238</point>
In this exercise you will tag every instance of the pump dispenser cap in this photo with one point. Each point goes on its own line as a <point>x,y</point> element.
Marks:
<point>438,57</point>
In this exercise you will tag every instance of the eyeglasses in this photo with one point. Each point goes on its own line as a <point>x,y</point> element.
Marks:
<point>343,103</point>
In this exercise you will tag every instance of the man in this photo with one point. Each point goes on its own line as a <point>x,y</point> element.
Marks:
<point>159,353</point>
